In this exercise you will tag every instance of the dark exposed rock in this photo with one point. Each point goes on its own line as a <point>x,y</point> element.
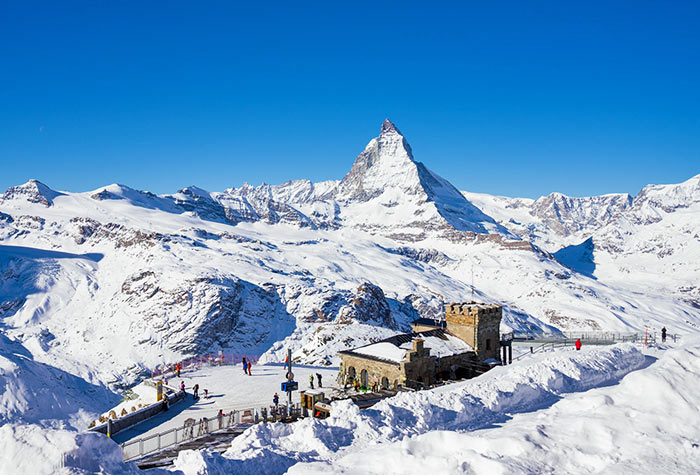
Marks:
<point>428,256</point>
<point>368,306</point>
<point>33,191</point>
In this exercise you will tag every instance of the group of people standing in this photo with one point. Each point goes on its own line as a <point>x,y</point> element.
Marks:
<point>311,380</point>
<point>246,366</point>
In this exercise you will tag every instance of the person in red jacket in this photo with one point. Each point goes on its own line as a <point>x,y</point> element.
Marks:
<point>578,344</point>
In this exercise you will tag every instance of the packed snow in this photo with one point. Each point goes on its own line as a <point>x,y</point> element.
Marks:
<point>228,389</point>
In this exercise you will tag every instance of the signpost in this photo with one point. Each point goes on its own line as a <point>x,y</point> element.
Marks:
<point>290,385</point>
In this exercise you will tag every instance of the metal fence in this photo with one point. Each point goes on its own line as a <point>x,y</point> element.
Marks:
<point>197,362</point>
<point>190,430</point>
<point>599,338</point>
<point>193,429</point>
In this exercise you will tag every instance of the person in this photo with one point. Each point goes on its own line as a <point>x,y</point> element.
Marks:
<point>311,380</point>
<point>245,364</point>
<point>220,418</point>
<point>182,385</point>
<point>578,344</point>
<point>195,391</point>
<point>177,368</point>
<point>249,366</point>
<point>206,393</point>
<point>276,400</point>
<point>318,376</point>
<point>663,335</point>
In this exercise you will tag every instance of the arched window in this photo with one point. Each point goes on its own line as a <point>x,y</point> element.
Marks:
<point>351,373</point>
<point>363,377</point>
<point>385,383</point>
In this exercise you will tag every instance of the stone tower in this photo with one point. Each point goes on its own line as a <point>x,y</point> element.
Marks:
<point>477,324</point>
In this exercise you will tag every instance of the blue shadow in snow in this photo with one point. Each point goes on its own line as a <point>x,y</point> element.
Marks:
<point>36,253</point>
<point>578,257</point>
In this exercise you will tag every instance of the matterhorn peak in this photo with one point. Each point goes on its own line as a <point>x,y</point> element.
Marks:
<point>388,127</point>
<point>387,174</point>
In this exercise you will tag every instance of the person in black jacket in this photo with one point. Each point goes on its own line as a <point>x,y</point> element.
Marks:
<point>663,335</point>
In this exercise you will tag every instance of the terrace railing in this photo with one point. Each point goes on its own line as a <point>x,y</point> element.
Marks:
<point>196,429</point>
<point>197,362</point>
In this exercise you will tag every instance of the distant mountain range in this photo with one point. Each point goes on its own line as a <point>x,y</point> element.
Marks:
<point>107,283</point>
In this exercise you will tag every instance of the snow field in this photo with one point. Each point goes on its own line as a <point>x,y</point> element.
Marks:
<point>353,438</point>
<point>648,423</point>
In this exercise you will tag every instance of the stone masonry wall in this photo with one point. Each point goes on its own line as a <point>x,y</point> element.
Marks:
<point>476,324</point>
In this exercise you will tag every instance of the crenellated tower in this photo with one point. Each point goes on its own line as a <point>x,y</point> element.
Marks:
<point>477,324</point>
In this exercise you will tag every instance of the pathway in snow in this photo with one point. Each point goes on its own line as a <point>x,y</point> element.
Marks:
<point>229,388</point>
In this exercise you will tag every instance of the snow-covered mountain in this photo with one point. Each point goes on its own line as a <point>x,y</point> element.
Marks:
<point>108,283</point>
<point>651,240</point>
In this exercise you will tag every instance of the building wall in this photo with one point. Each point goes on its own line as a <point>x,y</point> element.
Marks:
<point>464,364</point>
<point>417,327</point>
<point>418,368</point>
<point>375,369</point>
<point>476,324</point>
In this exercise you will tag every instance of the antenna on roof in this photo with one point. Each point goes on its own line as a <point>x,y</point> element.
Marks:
<point>472,281</point>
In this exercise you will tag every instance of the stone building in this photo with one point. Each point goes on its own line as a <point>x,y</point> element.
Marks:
<point>460,346</point>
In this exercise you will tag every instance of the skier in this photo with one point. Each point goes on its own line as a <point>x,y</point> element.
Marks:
<point>249,366</point>
<point>245,364</point>
<point>663,335</point>
<point>318,376</point>
<point>311,380</point>
<point>276,400</point>
<point>195,391</point>
<point>578,344</point>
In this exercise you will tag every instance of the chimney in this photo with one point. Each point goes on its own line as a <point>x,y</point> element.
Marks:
<point>418,345</point>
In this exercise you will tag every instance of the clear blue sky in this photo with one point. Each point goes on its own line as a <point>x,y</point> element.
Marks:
<point>511,98</point>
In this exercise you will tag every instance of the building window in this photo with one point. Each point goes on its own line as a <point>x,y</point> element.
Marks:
<point>488,344</point>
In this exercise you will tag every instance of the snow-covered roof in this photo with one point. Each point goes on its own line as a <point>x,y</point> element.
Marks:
<point>384,350</point>
<point>394,349</point>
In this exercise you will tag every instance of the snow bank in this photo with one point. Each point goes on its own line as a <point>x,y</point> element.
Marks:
<point>32,391</point>
<point>36,450</point>
<point>649,423</point>
<point>475,404</point>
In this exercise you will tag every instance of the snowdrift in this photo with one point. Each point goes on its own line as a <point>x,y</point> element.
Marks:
<point>476,404</point>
